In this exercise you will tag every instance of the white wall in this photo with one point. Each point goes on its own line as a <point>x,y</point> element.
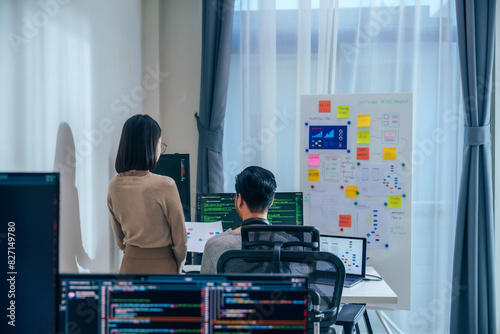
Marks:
<point>70,70</point>
<point>172,39</point>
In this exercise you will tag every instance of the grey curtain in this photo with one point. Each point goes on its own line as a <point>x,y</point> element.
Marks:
<point>216,51</point>
<point>473,294</point>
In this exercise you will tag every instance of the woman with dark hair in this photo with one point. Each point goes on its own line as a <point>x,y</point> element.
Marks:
<point>145,208</point>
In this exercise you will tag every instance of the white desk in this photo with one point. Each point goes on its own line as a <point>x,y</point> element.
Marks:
<point>370,292</point>
<point>376,295</point>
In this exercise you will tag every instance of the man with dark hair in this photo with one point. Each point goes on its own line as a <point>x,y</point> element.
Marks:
<point>255,188</point>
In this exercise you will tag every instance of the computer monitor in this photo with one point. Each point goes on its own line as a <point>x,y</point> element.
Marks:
<point>182,303</point>
<point>176,166</point>
<point>287,209</point>
<point>29,222</point>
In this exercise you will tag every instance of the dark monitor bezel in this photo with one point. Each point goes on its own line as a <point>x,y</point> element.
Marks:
<point>178,156</point>
<point>31,180</point>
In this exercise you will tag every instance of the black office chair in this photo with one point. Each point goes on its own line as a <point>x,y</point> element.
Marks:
<point>296,238</point>
<point>288,237</point>
<point>326,278</point>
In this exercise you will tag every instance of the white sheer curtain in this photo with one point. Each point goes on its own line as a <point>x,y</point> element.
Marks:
<point>69,72</point>
<point>283,49</point>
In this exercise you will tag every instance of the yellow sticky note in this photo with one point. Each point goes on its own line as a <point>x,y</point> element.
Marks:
<point>389,153</point>
<point>343,111</point>
<point>394,202</point>
<point>313,175</point>
<point>363,137</point>
<point>351,191</point>
<point>363,121</point>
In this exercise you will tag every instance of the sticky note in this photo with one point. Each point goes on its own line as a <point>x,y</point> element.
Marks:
<point>351,191</point>
<point>325,106</point>
<point>389,153</point>
<point>343,111</point>
<point>313,175</point>
<point>363,153</point>
<point>394,202</point>
<point>363,121</point>
<point>313,160</point>
<point>345,221</point>
<point>363,137</point>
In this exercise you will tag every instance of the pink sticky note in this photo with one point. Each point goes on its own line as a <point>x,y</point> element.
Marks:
<point>313,160</point>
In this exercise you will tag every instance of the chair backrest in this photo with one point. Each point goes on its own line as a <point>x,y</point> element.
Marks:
<point>287,237</point>
<point>326,273</point>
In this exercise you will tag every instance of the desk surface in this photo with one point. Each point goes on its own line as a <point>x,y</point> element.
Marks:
<point>370,292</point>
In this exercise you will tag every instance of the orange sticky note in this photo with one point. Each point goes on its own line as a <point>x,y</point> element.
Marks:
<point>313,175</point>
<point>325,106</point>
<point>343,111</point>
<point>313,160</point>
<point>394,202</point>
<point>351,191</point>
<point>363,121</point>
<point>363,153</point>
<point>345,221</point>
<point>363,137</point>
<point>389,153</point>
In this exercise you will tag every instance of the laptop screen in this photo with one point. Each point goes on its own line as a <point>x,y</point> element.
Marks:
<point>182,303</point>
<point>351,250</point>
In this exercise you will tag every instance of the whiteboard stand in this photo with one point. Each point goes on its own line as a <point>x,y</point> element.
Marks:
<point>386,322</point>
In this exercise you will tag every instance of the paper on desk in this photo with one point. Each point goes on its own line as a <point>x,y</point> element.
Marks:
<point>199,233</point>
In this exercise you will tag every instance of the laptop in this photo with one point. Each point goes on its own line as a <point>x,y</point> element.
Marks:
<point>352,252</point>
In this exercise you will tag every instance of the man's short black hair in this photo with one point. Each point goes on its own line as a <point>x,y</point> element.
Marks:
<point>137,148</point>
<point>257,186</point>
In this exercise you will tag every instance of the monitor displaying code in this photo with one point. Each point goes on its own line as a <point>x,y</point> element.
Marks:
<point>287,209</point>
<point>182,304</point>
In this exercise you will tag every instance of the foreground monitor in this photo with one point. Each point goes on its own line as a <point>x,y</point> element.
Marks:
<point>176,166</point>
<point>183,304</point>
<point>287,209</point>
<point>29,220</point>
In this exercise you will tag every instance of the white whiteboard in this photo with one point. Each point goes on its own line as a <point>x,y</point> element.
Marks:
<point>355,158</point>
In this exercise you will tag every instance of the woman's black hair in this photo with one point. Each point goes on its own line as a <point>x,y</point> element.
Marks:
<point>257,186</point>
<point>137,148</point>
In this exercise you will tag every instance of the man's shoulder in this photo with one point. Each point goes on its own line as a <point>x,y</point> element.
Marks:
<point>228,238</point>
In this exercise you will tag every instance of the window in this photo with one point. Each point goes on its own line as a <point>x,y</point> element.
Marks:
<point>281,52</point>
